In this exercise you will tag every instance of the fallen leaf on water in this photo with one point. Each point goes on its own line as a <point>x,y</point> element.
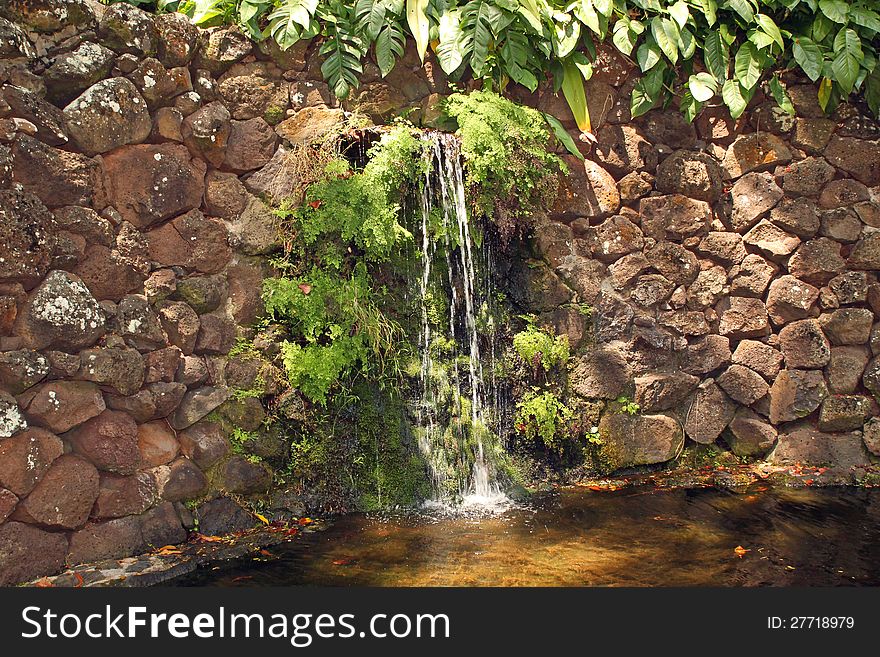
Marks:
<point>740,551</point>
<point>208,539</point>
<point>342,562</point>
<point>44,584</point>
<point>266,553</point>
<point>262,518</point>
<point>168,550</point>
<point>305,521</point>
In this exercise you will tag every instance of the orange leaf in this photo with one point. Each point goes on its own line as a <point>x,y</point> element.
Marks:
<point>79,580</point>
<point>305,521</point>
<point>316,204</point>
<point>740,551</point>
<point>262,518</point>
<point>168,550</point>
<point>208,539</point>
<point>305,288</point>
<point>44,583</point>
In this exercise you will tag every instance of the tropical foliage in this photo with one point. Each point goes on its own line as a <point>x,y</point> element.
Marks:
<point>692,51</point>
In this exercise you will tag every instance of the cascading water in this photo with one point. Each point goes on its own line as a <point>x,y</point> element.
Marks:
<point>454,421</point>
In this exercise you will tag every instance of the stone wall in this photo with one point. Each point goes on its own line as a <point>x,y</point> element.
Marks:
<point>730,268</point>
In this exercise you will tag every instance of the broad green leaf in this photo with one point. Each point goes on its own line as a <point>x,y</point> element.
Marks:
<point>781,96</point>
<point>647,55</point>
<point>687,44</point>
<point>747,66</point>
<point>821,28</point>
<point>872,91</point>
<point>530,11</point>
<point>824,93</point>
<point>808,56</point>
<point>865,18</point>
<point>690,106</point>
<point>702,86</point>
<point>716,56</point>
<point>680,12</point>
<point>835,10</point>
<point>770,28</point>
<point>562,135</point>
<point>604,7</point>
<point>667,35</point>
<point>292,21</point>
<point>762,40</point>
<point>575,95</point>
<point>588,15</point>
<point>624,38</point>
<point>389,46</point>
<point>248,9</point>
<point>567,37</point>
<point>743,8</point>
<point>734,97</point>
<point>647,92</point>
<point>371,16</point>
<point>848,56</point>
<point>450,49</point>
<point>710,11</point>
<point>419,25</point>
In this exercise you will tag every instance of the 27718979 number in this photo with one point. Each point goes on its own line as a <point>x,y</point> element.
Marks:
<point>811,623</point>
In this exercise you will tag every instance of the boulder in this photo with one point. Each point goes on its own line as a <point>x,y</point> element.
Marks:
<point>692,174</point>
<point>57,177</point>
<point>752,276</point>
<point>771,240</point>
<point>256,230</point>
<point>206,132</point>
<point>743,317</point>
<point>817,261</point>
<point>759,151</point>
<point>871,435</point>
<point>709,287</point>
<point>193,241</point>
<point>178,39</point>
<point>27,552</point>
<point>197,404</point>
<point>602,372</point>
<point>138,323</point>
<point>742,384</point>
<point>112,539</point>
<point>22,369</point>
<point>157,444</point>
<point>674,217</point>
<point>161,365</point>
<point>848,326</point>
<point>109,114</point>
<point>708,413</point>
<point>241,476</point>
<point>622,149</point>
<point>804,345</point>
<point>185,481</point>
<point>632,440</point>
<point>110,441</point>
<point>725,248</point>
<point>8,502</point>
<point>753,195</point>
<point>844,412</point>
<point>155,401</point>
<point>795,394</point>
<point>749,434</point>
<point>311,125</point>
<point>858,157</point>
<point>120,495</point>
<point>121,369</point>
<point>660,392</point>
<point>216,335</point>
<point>668,127</point>
<point>76,70</point>
<point>62,405</point>
<point>27,238</point>
<point>866,252</point>
<point>707,354</point>
<point>674,262</point>
<point>844,371</point>
<point>841,224</point>
<point>63,498</point>
<point>161,526</point>
<point>204,443</point>
<point>127,29</point>
<point>798,216</point>
<point>11,419</point>
<point>181,323</point>
<point>47,119</point>
<point>805,445</point>
<point>843,193</point>
<point>225,195</point>
<point>586,191</point>
<point>204,294</point>
<point>790,299</point>
<point>250,146</point>
<point>807,177</point>
<point>812,135</point>
<point>223,516</point>
<point>254,90</point>
<point>613,238</point>
<point>25,458</point>
<point>223,47</point>
<point>149,183</point>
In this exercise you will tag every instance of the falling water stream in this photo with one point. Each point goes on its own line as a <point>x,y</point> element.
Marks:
<point>463,469</point>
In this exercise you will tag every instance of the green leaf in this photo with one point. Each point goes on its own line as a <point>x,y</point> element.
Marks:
<point>808,56</point>
<point>248,9</point>
<point>865,18</point>
<point>781,96</point>
<point>530,11</point>
<point>624,38</point>
<point>716,56</point>
<point>450,50</point>
<point>835,10</point>
<point>680,13</point>
<point>690,106</point>
<point>562,135</point>
<point>419,26</point>
<point>647,92</point>
<point>588,15</point>
<point>575,95</point>
<point>371,16</point>
<point>845,65</point>
<point>687,44</point>
<point>390,45</point>
<point>734,97</point>
<point>770,29</point>
<point>702,86</point>
<point>743,8</point>
<point>647,55</point>
<point>567,37</point>
<point>710,11</point>
<point>872,92</point>
<point>292,21</point>
<point>747,66</point>
<point>824,93</point>
<point>821,28</point>
<point>604,7</point>
<point>667,35</point>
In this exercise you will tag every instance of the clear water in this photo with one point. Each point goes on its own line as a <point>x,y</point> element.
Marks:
<point>638,537</point>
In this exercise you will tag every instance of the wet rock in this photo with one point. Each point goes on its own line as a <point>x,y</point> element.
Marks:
<point>858,157</point>
<point>742,384</point>
<point>660,392</point>
<point>805,445</point>
<point>204,294</point>
<point>149,183</point>
<point>844,412</point>
<point>63,498</point>
<point>57,177</point>
<point>127,29</point>
<point>844,371</point>
<point>156,443</point>
<point>27,552</point>
<point>797,216</point>
<point>708,414</point>
<point>707,354</point>
<point>535,287</point>
<point>631,440</point>
<point>866,253</point>
<point>795,394</point>
<point>621,149</point>
<point>241,476</point>
<point>75,71</point>
<point>109,114</point>
<point>674,217</point>
<point>22,369</point>
<point>771,241</point>
<point>587,191</point>
<point>584,275</point>
<point>193,241</point>
<point>310,125</point>
<point>119,368</point>
<point>206,133</point>
<point>197,404</point>
<point>185,481</point>
<point>807,177</point>
<point>182,325</point>
<point>161,526</point>
<point>223,516</point>
<point>758,151</point>
<point>27,238</point>
<point>120,496</point>
<point>113,539</point>
<point>602,372</point>
<point>752,276</point>
<point>25,458</point>
<point>790,299</point>
<point>178,39</point>
<point>691,174</point>
<point>749,434</point>
<point>109,441</point>
<point>753,195</point>
<point>804,345</point>
<point>848,325</point>
<point>61,405</point>
<point>62,313</point>
<point>743,317</point>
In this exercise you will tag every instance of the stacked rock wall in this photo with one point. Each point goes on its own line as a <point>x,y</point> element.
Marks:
<point>730,268</point>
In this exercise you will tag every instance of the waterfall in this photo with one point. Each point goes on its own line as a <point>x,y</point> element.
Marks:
<point>454,421</point>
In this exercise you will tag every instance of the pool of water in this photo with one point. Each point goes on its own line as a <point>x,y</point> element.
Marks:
<point>635,537</point>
